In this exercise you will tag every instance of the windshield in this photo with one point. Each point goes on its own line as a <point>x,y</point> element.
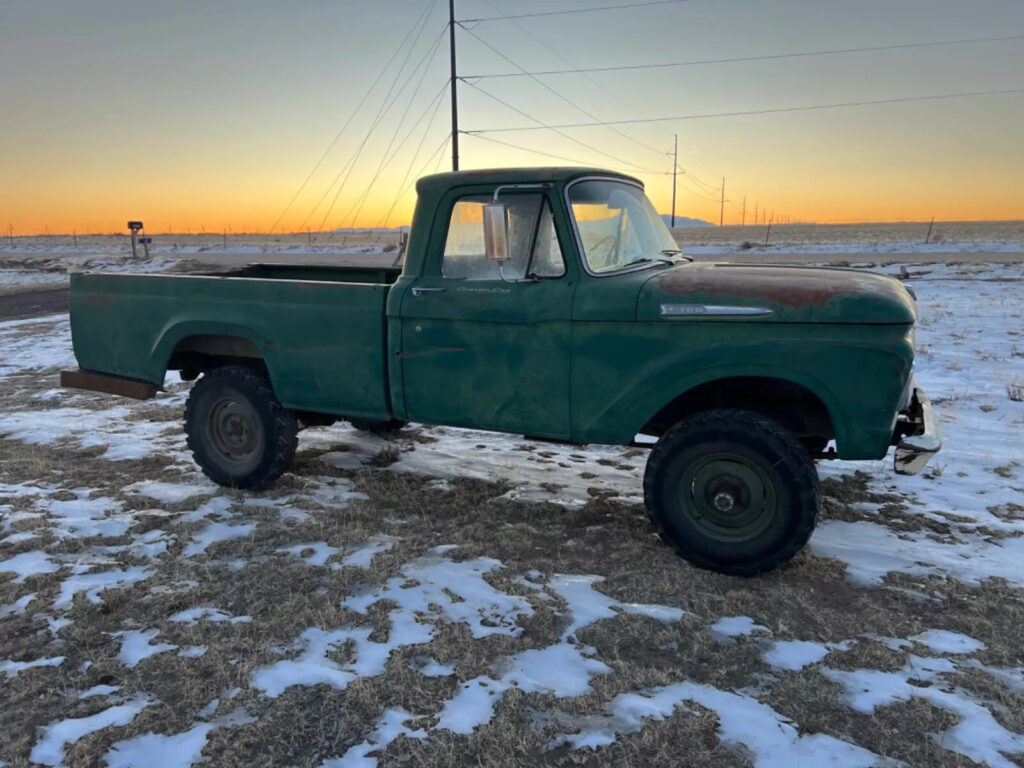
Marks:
<point>618,226</point>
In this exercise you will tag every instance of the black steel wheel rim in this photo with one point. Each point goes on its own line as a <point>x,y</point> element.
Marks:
<point>235,431</point>
<point>728,496</point>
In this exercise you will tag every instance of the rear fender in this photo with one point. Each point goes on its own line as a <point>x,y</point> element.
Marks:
<point>174,333</point>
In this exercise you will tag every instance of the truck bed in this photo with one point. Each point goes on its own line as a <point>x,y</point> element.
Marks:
<point>319,329</point>
<point>319,272</point>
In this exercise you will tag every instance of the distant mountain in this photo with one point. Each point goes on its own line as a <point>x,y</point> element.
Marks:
<point>685,221</point>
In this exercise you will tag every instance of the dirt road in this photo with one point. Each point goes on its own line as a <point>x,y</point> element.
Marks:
<point>33,303</point>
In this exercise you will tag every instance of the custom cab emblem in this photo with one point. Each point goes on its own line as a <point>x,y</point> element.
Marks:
<point>683,310</point>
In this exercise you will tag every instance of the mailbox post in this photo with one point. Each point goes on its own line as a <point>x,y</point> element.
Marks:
<point>136,227</point>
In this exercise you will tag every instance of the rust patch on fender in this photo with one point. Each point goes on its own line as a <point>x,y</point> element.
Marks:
<point>789,286</point>
<point>97,299</point>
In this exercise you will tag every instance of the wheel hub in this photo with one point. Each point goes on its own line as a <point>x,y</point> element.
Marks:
<point>724,501</point>
<point>728,496</point>
<point>234,430</point>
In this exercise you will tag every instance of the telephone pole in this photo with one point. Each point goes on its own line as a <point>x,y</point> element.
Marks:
<point>721,211</point>
<point>454,81</point>
<point>675,168</point>
<point>743,221</point>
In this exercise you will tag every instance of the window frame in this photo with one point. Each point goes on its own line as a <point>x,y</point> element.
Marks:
<point>576,231</point>
<point>544,201</point>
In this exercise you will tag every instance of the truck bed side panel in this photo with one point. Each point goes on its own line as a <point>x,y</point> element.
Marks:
<point>323,343</point>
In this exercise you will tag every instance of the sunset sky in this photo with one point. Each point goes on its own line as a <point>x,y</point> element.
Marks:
<point>212,113</point>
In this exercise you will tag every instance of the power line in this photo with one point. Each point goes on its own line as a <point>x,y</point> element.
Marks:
<point>776,110</point>
<point>384,108</point>
<point>385,105</point>
<point>568,101</point>
<point>572,11</point>
<point>541,125</point>
<point>768,57</point>
<point>440,157</point>
<point>415,156</point>
<point>438,154</point>
<point>577,161</point>
<point>549,154</point>
<point>387,158</point>
<point>425,62</point>
<point>337,136</point>
<point>554,52</point>
<point>596,83</point>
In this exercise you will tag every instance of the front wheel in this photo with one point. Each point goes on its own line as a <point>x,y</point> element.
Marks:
<point>239,434</point>
<point>732,491</point>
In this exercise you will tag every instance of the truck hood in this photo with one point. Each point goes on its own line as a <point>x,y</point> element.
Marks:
<point>714,292</point>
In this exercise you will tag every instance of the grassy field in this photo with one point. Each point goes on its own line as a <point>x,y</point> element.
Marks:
<point>450,597</point>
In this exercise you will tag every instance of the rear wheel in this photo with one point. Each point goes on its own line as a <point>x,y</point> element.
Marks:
<point>732,491</point>
<point>239,434</point>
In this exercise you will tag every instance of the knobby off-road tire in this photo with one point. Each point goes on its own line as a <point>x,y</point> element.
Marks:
<point>381,428</point>
<point>732,491</point>
<point>238,432</point>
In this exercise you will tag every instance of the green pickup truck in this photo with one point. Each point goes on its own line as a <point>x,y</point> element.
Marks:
<point>548,302</point>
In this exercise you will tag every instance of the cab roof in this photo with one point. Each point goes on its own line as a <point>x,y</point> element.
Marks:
<point>442,182</point>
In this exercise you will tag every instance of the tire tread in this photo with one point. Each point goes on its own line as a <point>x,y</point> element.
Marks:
<point>282,436</point>
<point>796,456</point>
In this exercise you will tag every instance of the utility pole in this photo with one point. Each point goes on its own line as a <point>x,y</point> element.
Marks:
<point>454,87</point>
<point>743,221</point>
<point>721,211</point>
<point>675,168</point>
<point>755,213</point>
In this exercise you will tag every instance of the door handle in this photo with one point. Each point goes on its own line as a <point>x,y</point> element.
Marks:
<point>420,290</point>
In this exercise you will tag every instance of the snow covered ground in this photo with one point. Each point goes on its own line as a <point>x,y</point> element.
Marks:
<point>908,249</point>
<point>459,597</point>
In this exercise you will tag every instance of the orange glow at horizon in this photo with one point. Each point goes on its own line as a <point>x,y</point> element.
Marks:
<point>202,118</point>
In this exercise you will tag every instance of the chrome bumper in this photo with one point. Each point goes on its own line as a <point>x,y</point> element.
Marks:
<point>920,438</point>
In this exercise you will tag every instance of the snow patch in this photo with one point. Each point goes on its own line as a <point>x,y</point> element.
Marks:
<point>94,583</point>
<point>136,645</point>
<point>27,564</point>
<point>944,641</point>
<point>193,615</point>
<point>729,627</point>
<point>363,557</point>
<point>11,668</point>
<point>389,727</point>
<point>153,750</point>
<point>215,532</point>
<point>772,739</point>
<point>53,738</point>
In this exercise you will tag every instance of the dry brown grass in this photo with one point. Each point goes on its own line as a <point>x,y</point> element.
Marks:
<point>808,600</point>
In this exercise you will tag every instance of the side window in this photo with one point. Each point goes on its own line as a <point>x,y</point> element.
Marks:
<point>548,260</point>
<point>530,224</point>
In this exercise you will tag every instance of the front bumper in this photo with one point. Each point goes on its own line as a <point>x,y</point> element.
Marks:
<point>917,436</point>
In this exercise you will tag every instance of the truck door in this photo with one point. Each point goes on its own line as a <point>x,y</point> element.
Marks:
<point>487,344</point>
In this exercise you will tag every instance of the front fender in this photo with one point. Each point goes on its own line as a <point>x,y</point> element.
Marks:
<point>622,417</point>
